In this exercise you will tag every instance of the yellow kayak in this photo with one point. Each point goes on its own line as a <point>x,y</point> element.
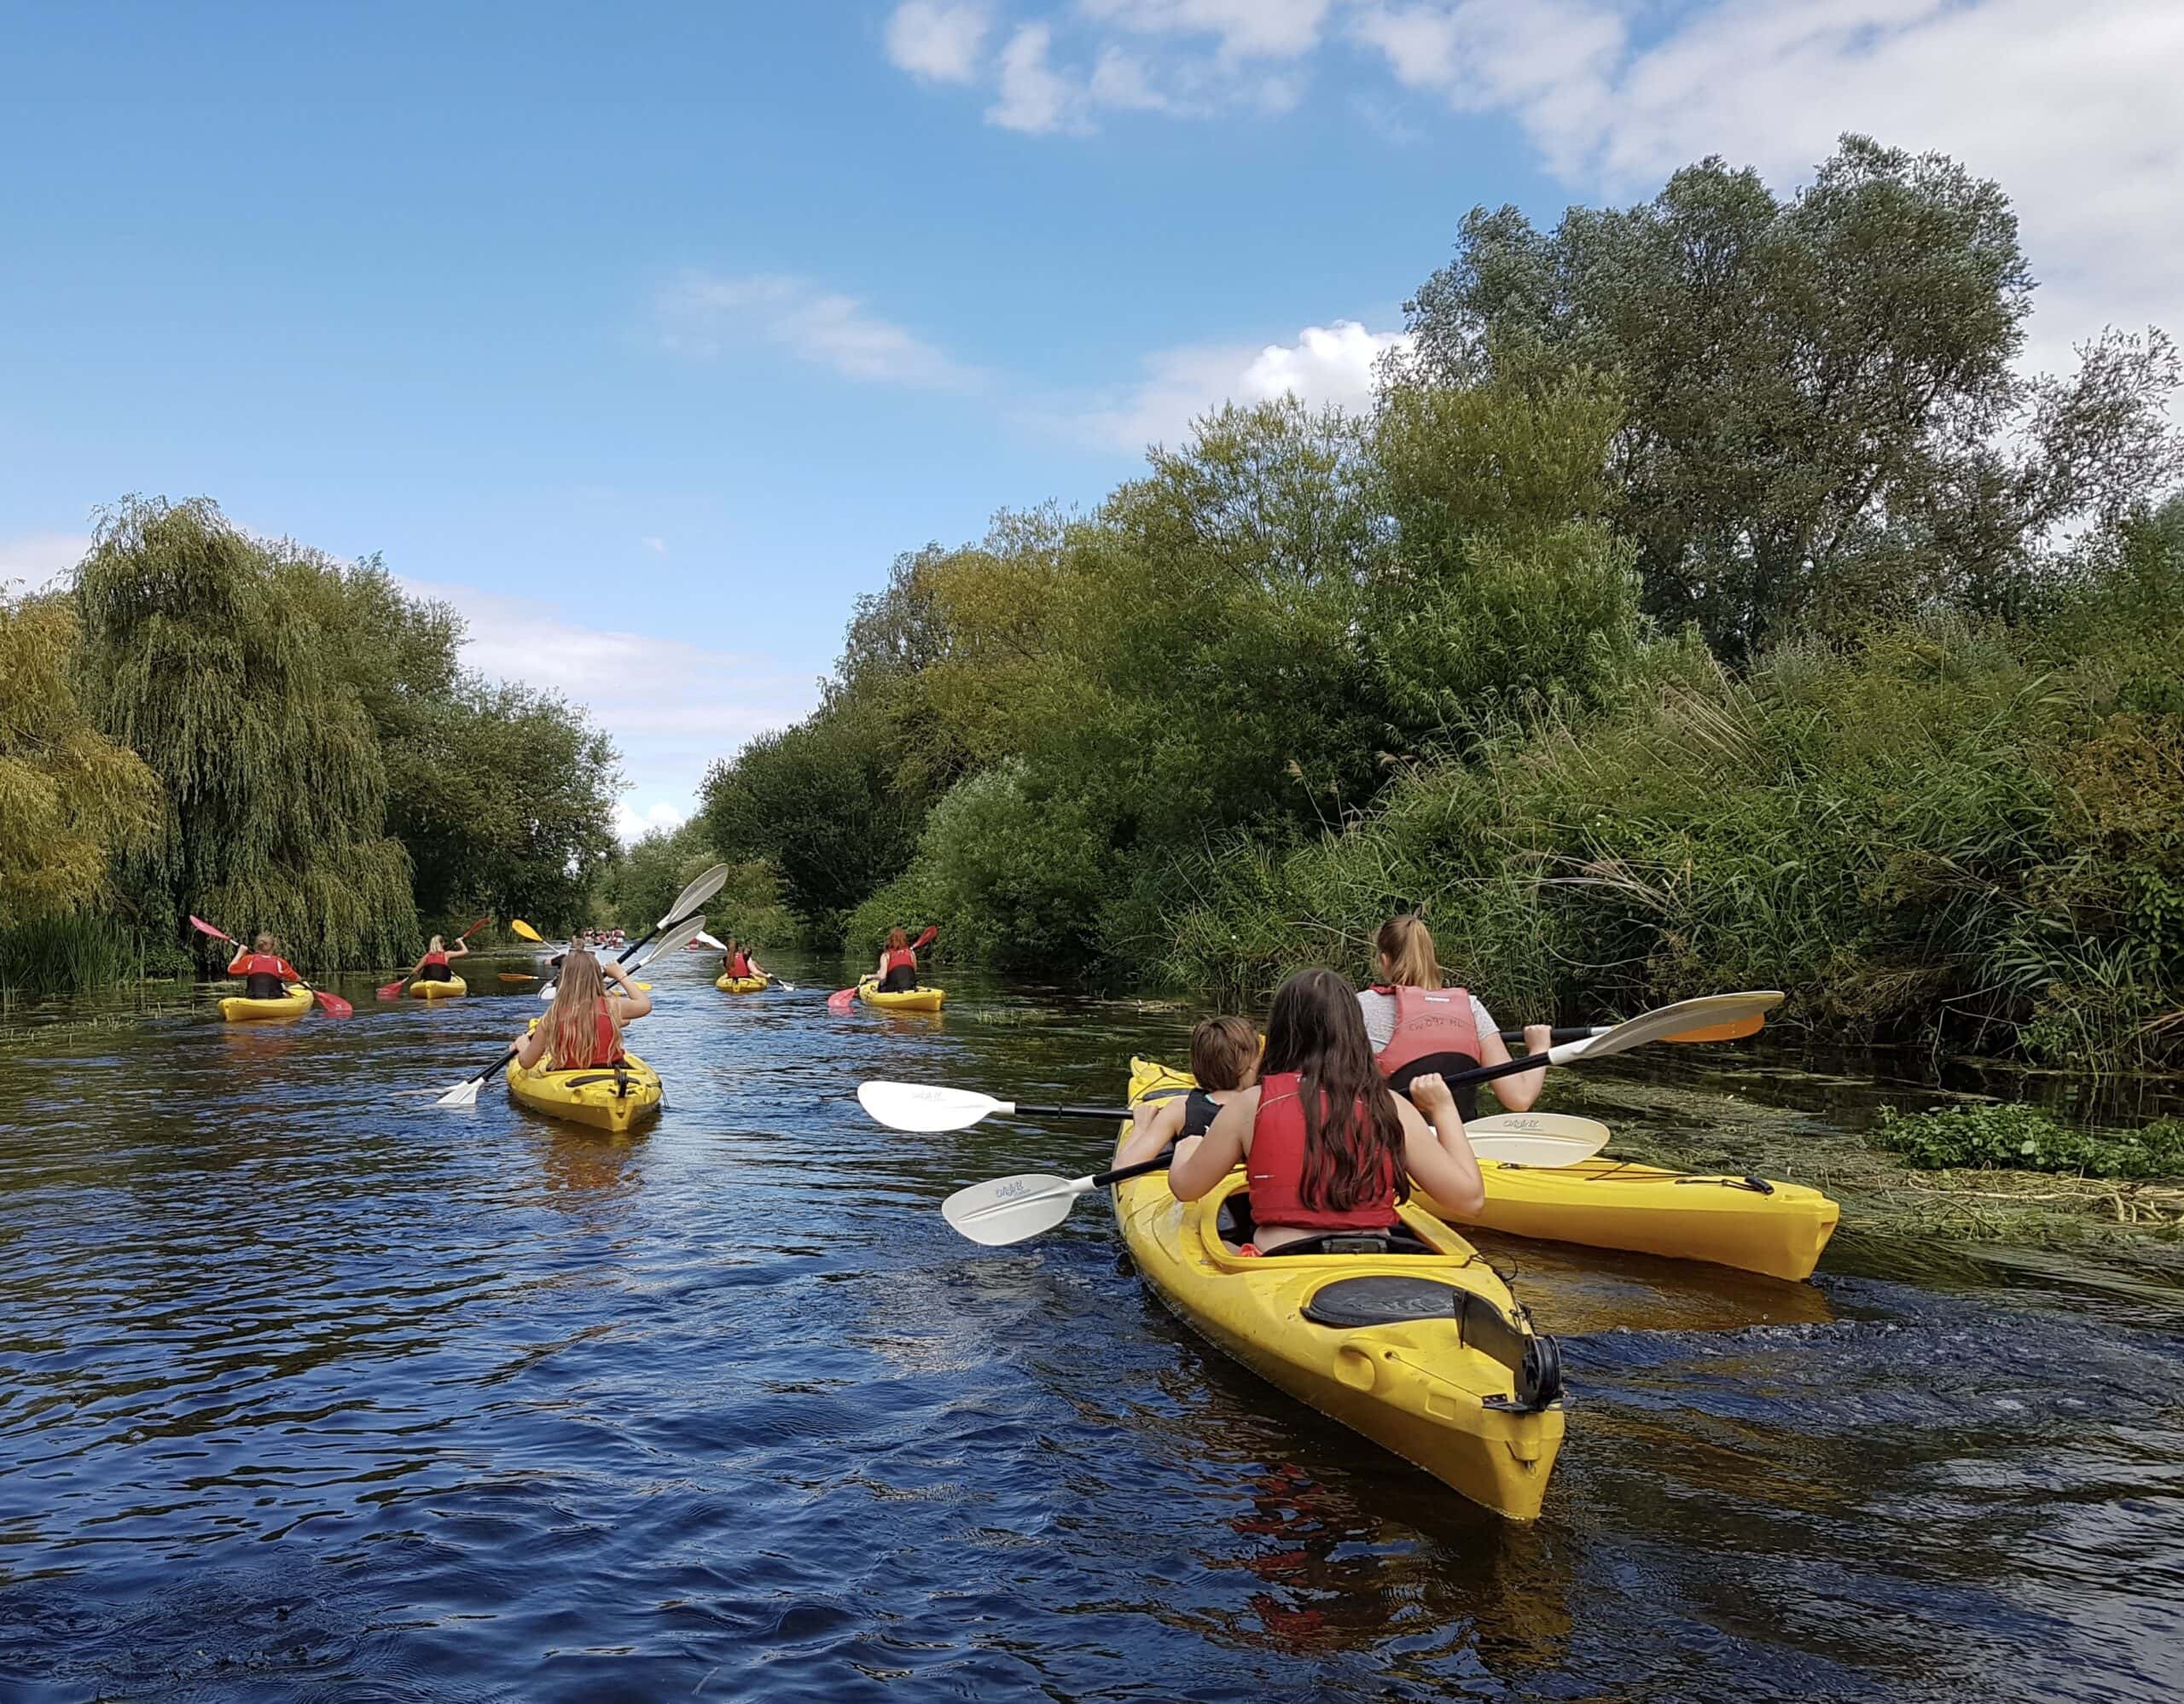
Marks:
<point>609,1097</point>
<point>294,1004</point>
<point>1754,1223</point>
<point>453,988</point>
<point>739,984</point>
<point>1414,1350</point>
<point>911,1000</point>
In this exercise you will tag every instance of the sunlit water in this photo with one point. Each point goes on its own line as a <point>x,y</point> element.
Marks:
<point>312,1389</point>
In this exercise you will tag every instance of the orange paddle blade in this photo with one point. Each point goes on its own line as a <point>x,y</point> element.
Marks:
<point>1735,1030</point>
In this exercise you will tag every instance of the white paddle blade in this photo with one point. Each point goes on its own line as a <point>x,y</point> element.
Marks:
<point>1010,1209</point>
<point>1541,1140</point>
<point>673,941</point>
<point>927,1107</point>
<point>1702,1012</point>
<point>696,895</point>
<point>707,939</point>
<point>464,1094</point>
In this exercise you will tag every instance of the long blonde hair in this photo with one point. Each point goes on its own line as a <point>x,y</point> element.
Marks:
<point>572,1022</point>
<point>1412,963</point>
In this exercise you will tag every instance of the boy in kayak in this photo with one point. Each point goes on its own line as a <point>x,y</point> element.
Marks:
<point>1330,1149</point>
<point>584,1026</point>
<point>265,975</point>
<point>896,972</point>
<point>1418,1025</point>
<point>434,967</point>
<point>1225,1060</point>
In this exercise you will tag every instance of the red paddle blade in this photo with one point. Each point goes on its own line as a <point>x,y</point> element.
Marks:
<point>335,1006</point>
<point>473,929</point>
<point>203,927</point>
<point>841,999</point>
<point>390,991</point>
<point>926,940</point>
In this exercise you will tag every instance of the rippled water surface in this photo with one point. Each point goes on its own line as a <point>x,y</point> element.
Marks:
<point>312,1389</point>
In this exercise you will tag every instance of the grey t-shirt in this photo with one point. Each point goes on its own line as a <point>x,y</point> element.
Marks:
<point>1380,1010</point>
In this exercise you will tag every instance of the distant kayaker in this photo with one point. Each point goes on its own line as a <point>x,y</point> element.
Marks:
<point>897,970</point>
<point>584,1026</point>
<point>1329,1148</point>
<point>265,975</point>
<point>740,961</point>
<point>1417,1025</point>
<point>1225,1060</point>
<point>433,966</point>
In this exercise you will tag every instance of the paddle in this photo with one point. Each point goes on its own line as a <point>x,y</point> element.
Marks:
<point>1736,1030</point>
<point>1010,1209</point>
<point>526,931</point>
<point>842,998</point>
<point>335,1005</point>
<point>464,1093</point>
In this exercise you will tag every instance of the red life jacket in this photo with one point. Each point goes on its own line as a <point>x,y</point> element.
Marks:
<point>1435,1030</point>
<point>1276,1167</point>
<point>431,958</point>
<point>901,958</point>
<point>606,1044</point>
<point>738,963</point>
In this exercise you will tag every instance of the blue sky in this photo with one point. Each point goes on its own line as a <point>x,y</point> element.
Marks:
<point>650,334</point>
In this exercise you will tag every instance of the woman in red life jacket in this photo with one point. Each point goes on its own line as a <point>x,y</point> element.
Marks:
<point>265,975</point>
<point>432,967</point>
<point>1417,1025</point>
<point>583,1027</point>
<point>898,970</point>
<point>739,960</point>
<point>1329,1148</point>
<point>1225,1060</point>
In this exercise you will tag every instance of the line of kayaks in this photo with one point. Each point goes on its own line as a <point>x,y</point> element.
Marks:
<point>1422,1348</point>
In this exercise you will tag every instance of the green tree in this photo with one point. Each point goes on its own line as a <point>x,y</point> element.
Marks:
<point>203,652</point>
<point>70,798</point>
<point>1822,392</point>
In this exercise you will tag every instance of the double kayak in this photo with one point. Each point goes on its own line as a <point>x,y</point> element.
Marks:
<point>1757,1224</point>
<point>294,1004</point>
<point>609,1097</point>
<point>1421,1347</point>
<point>454,988</point>
<point>910,1000</point>
<point>739,984</point>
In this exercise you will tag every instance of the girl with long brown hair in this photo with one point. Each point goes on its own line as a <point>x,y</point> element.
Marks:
<point>583,1027</point>
<point>1328,1147</point>
<point>1418,1025</point>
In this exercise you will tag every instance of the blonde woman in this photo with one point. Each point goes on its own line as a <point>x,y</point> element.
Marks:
<point>433,966</point>
<point>1419,1026</point>
<point>583,1029</point>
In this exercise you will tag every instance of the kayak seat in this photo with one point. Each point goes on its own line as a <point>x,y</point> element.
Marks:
<point>1395,1239</point>
<point>1382,1299</point>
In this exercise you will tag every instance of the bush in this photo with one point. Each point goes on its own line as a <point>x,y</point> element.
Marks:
<point>2019,1138</point>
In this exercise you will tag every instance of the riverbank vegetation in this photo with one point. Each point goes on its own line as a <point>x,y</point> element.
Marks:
<point>247,729</point>
<point>1710,599</point>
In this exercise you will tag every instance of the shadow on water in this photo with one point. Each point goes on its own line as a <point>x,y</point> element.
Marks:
<point>312,1389</point>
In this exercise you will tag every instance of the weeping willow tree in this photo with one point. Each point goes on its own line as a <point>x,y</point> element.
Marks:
<point>205,651</point>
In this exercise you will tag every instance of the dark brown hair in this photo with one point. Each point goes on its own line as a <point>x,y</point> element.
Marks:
<point>1224,1052</point>
<point>1316,1030</point>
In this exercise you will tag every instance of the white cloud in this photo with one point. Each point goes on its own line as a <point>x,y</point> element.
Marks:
<point>702,313</point>
<point>671,705</point>
<point>1033,96</point>
<point>938,43</point>
<point>35,560</point>
<point>1245,29</point>
<point>657,546</point>
<point>632,825</point>
<point>1329,364</point>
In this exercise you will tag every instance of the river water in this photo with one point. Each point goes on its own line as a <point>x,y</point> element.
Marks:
<point>310,1389</point>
